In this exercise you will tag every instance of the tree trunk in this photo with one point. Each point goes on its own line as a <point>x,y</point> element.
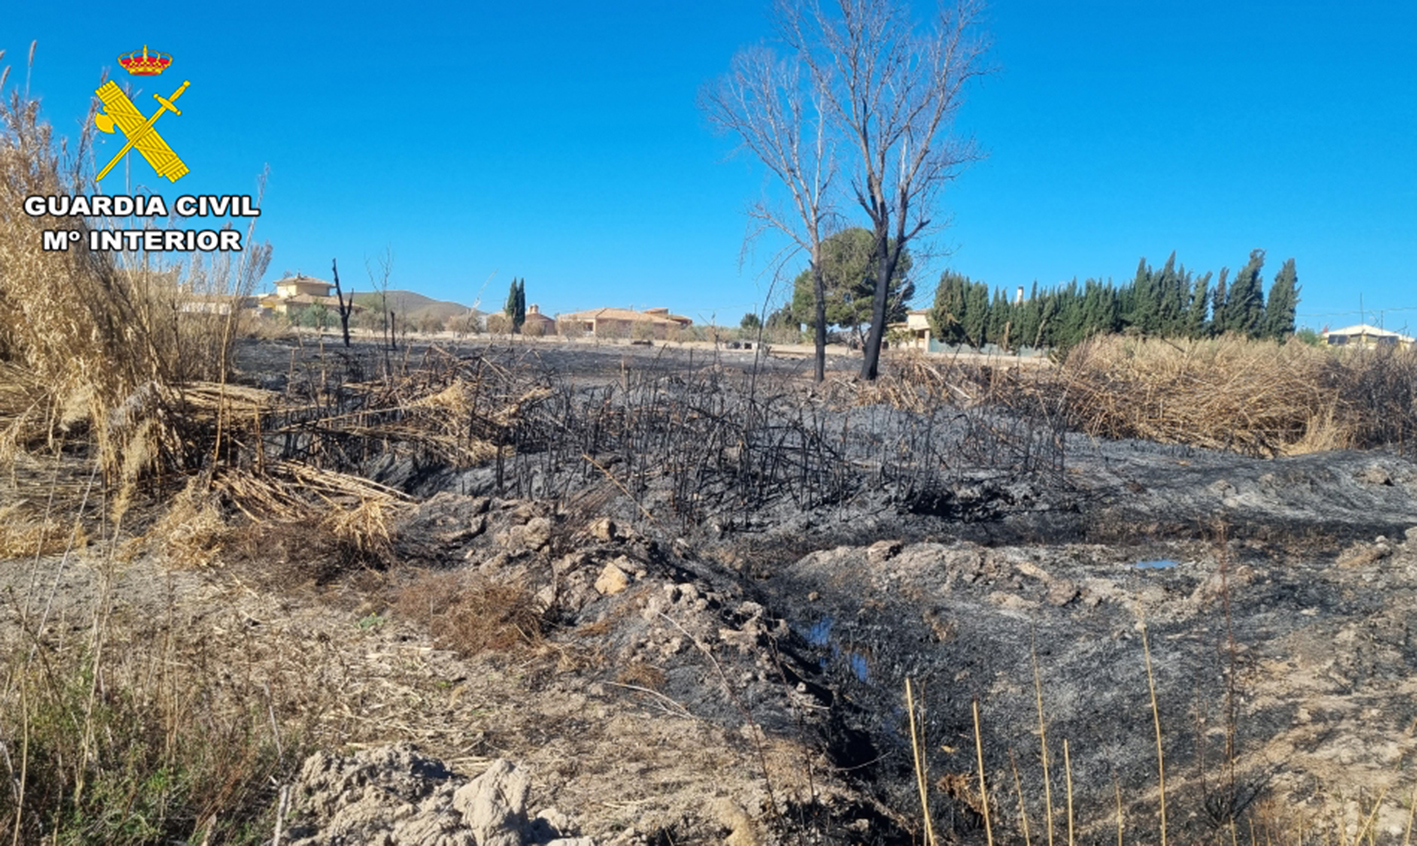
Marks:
<point>819,285</point>
<point>344,309</point>
<point>886,258</point>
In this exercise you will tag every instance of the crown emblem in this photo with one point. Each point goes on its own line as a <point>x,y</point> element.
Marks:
<point>145,64</point>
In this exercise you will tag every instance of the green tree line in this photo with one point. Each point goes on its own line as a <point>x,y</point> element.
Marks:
<point>1168,302</point>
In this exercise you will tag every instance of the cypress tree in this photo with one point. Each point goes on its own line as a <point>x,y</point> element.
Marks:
<point>976,314</point>
<point>1220,312</point>
<point>1245,304</point>
<point>1283,299</point>
<point>1143,313</point>
<point>948,313</point>
<point>998,316</point>
<point>1026,322</point>
<point>1198,308</point>
<point>520,317</point>
<point>1095,313</point>
<point>1173,291</point>
<point>510,308</point>
<point>1071,320</point>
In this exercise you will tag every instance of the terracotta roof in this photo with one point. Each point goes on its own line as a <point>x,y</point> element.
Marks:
<point>612,313</point>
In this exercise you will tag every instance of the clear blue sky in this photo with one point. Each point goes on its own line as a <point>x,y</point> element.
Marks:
<point>560,142</point>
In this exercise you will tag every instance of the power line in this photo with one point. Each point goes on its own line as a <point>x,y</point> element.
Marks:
<point>1346,313</point>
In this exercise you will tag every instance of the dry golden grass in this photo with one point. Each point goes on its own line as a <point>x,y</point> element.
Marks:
<point>1257,397</point>
<point>1232,393</point>
<point>25,534</point>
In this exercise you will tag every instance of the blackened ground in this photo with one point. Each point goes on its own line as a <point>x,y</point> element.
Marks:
<point>1279,597</point>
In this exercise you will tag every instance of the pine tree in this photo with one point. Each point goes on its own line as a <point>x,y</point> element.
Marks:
<point>1283,299</point>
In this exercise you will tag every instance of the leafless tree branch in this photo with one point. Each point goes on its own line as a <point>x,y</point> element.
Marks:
<point>893,90</point>
<point>769,103</point>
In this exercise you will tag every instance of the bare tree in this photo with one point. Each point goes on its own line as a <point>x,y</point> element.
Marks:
<point>380,284</point>
<point>770,104</point>
<point>346,307</point>
<point>892,91</point>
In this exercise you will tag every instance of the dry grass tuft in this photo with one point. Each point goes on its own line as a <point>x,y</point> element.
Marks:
<point>192,529</point>
<point>640,674</point>
<point>24,534</point>
<point>472,615</point>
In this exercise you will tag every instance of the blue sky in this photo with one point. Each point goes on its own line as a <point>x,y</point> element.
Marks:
<point>561,143</point>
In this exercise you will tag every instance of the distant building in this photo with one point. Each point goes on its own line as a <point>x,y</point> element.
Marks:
<point>294,286</point>
<point>537,323</point>
<point>622,323</point>
<point>1366,336</point>
<point>215,303</point>
<point>296,293</point>
<point>917,329</point>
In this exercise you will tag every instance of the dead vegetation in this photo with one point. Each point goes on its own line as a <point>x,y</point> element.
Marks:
<point>1255,397</point>
<point>470,614</point>
<point>1258,398</point>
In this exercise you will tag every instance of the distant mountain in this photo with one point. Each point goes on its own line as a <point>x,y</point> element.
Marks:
<point>410,305</point>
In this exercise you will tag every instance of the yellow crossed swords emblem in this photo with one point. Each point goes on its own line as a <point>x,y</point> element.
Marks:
<point>140,133</point>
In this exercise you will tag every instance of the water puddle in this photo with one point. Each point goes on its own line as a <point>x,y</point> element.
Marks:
<point>819,634</point>
<point>1158,564</point>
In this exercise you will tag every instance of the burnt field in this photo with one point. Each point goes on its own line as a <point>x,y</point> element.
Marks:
<point>903,530</point>
<point>682,593</point>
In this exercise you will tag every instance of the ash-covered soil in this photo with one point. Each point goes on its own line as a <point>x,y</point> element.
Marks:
<point>733,667</point>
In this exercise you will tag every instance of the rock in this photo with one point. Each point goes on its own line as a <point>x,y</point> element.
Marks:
<point>883,551</point>
<point>569,563</point>
<point>537,533</point>
<point>751,610</point>
<point>476,526</point>
<point>612,580</point>
<point>1061,592</point>
<point>1361,554</point>
<point>389,794</point>
<point>1375,474</point>
<point>603,530</point>
<point>493,805</point>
